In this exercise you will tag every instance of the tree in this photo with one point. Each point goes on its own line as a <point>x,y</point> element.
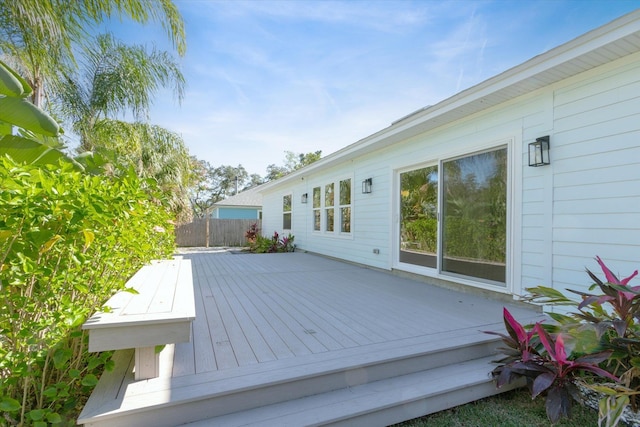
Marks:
<point>116,78</point>
<point>296,161</point>
<point>41,36</point>
<point>274,172</point>
<point>213,184</point>
<point>254,181</point>
<point>293,162</point>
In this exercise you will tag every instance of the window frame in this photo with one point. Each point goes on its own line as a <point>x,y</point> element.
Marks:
<point>288,213</point>
<point>316,209</point>
<point>510,143</point>
<point>335,210</point>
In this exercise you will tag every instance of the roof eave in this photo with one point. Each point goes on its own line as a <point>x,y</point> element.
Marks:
<point>607,43</point>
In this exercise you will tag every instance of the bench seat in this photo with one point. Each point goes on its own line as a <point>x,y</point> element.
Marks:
<point>159,313</point>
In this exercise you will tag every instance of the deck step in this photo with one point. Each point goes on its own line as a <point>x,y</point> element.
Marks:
<point>401,380</point>
<point>378,403</point>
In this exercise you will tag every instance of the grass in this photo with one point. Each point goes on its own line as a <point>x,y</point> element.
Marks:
<point>511,409</point>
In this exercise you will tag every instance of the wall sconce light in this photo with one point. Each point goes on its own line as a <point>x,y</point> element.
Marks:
<point>304,198</point>
<point>539,152</point>
<point>366,185</point>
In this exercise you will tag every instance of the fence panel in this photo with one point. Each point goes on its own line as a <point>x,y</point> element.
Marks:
<point>221,232</point>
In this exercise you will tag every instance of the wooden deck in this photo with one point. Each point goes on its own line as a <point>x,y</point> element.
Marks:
<point>267,318</point>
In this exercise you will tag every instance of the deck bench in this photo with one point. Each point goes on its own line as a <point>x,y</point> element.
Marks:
<point>159,313</point>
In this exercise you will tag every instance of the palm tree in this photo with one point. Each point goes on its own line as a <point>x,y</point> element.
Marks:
<point>116,79</point>
<point>119,80</point>
<point>38,37</point>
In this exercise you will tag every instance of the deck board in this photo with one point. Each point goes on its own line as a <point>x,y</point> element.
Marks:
<point>264,317</point>
<point>274,325</point>
<point>259,308</point>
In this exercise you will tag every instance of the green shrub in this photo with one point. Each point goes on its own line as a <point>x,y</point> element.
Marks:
<point>68,241</point>
<point>263,245</point>
<point>421,234</point>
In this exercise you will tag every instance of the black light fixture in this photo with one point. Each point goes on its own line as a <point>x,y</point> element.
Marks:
<point>366,185</point>
<point>304,198</point>
<point>539,152</point>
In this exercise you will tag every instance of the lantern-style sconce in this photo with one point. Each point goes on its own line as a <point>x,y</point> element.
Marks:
<point>366,185</point>
<point>539,152</point>
<point>304,198</point>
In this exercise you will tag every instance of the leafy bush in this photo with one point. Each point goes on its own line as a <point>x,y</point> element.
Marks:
<point>420,234</point>
<point>252,233</point>
<point>605,322</point>
<point>262,245</point>
<point>68,241</point>
<point>542,359</point>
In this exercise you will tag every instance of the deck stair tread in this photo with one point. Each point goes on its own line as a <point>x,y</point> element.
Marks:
<point>357,377</point>
<point>389,400</point>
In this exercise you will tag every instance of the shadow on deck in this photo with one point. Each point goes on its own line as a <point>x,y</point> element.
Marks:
<point>297,339</point>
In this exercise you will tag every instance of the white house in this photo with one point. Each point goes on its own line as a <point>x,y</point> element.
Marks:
<point>447,192</point>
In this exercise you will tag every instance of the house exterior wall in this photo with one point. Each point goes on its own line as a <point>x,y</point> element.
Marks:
<point>235,213</point>
<point>585,203</point>
<point>596,175</point>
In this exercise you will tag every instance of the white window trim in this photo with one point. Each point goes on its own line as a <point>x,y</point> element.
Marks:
<point>337,217</point>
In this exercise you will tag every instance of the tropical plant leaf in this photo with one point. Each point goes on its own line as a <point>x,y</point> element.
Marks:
<point>23,150</point>
<point>22,113</point>
<point>620,326</point>
<point>546,341</point>
<point>11,84</point>
<point>542,382</point>
<point>514,328</point>
<point>595,358</point>
<point>558,404</point>
<point>611,409</point>
<point>595,369</point>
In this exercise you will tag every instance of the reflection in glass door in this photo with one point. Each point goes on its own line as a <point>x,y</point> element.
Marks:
<point>419,217</point>
<point>474,216</point>
<point>469,196</point>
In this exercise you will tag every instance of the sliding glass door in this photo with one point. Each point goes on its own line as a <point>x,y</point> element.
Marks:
<point>471,237</point>
<point>419,216</point>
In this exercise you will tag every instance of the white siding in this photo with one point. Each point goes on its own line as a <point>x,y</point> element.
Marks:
<point>586,203</point>
<point>596,164</point>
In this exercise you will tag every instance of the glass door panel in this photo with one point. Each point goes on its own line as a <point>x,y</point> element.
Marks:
<point>474,216</point>
<point>419,217</point>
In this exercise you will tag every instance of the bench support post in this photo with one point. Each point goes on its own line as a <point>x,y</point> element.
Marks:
<point>147,363</point>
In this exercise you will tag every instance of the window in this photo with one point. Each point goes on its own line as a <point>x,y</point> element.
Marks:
<point>345,206</point>
<point>471,238</point>
<point>332,207</point>
<point>286,212</point>
<point>317,205</point>
<point>329,202</point>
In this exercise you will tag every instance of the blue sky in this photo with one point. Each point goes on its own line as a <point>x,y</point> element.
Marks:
<point>265,77</point>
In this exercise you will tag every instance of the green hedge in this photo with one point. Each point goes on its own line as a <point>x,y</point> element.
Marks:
<point>68,241</point>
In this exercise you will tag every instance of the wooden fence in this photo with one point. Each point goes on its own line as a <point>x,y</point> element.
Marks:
<point>214,232</point>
